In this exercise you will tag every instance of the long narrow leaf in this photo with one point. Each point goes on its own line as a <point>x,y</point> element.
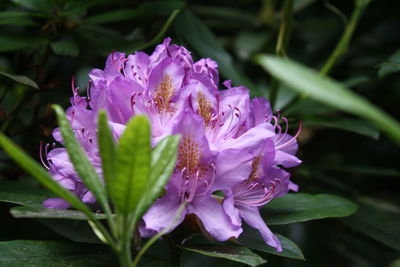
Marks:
<point>229,252</point>
<point>328,91</point>
<point>107,149</point>
<point>132,165</point>
<point>22,79</point>
<point>163,160</point>
<point>79,159</point>
<point>37,171</point>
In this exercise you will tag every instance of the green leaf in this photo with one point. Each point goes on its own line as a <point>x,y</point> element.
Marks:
<point>190,28</point>
<point>107,149</point>
<point>304,207</point>
<point>308,107</point>
<point>14,14</point>
<point>19,193</point>
<point>233,253</point>
<point>78,157</point>
<point>65,48</point>
<point>378,224</point>
<point>101,40</point>
<point>39,5</point>
<point>391,66</point>
<point>353,125</point>
<point>132,165</point>
<point>290,249</point>
<point>22,79</point>
<point>395,263</point>
<point>37,171</point>
<point>43,213</point>
<point>15,41</point>
<point>53,254</point>
<point>74,230</point>
<point>160,34</point>
<point>145,9</point>
<point>163,160</point>
<point>18,21</point>
<point>329,92</point>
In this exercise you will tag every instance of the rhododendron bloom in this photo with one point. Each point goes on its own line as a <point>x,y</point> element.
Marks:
<point>229,143</point>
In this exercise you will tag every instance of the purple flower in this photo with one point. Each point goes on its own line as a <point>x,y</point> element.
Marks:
<point>229,142</point>
<point>192,183</point>
<point>264,183</point>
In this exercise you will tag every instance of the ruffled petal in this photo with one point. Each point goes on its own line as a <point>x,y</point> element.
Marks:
<point>252,217</point>
<point>119,106</point>
<point>285,159</point>
<point>231,210</point>
<point>163,213</point>
<point>232,166</point>
<point>214,219</point>
<point>56,203</point>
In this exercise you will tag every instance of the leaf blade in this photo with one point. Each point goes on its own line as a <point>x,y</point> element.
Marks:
<point>290,249</point>
<point>304,207</point>
<point>22,79</point>
<point>79,158</point>
<point>43,213</point>
<point>53,253</point>
<point>133,164</point>
<point>229,252</point>
<point>107,149</point>
<point>163,159</point>
<point>329,92</point>
<point>37,171</point>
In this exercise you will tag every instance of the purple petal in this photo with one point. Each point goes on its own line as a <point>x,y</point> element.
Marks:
<point>214,219</point>
<point>160,53</point>
<point>56,203</point>
<point>234,105</point>
<point>252,217</point>
<point>208,68</point>
<point>60,162</point>
<point>137,68</point>
<point>121,91</point>
<point>88,197</point>
<point>253,138</point>
<point>232,167</point>
<point>165,80</point>
<point>281,179</point>
<point>285,159</point>
<point>191,125</point>
<point>163,213</point>
<point>114,64</point>
<point>260,111</point>
<point>231,210</point>
<point>290,146</point>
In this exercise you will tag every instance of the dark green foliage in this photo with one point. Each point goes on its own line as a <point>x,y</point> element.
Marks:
<point>43,43</point>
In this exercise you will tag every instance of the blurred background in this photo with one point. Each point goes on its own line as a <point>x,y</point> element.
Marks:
<point>51,41</point>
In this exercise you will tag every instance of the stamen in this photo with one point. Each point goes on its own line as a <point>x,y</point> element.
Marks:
<point>180,180</point>
<point>292,139</point>
<point>194,186</point>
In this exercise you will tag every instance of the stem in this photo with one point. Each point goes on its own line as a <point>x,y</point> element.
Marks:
<point>340,48</point>
<point>343,44</point>
<point>161,33</point>
<point>110,218</point>
<point>101,229</point>
<point>281,44</point>
<point>152,240</point>
<point>284,29</point>
<point>124,246</point>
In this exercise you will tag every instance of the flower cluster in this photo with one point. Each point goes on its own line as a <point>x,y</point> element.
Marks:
<point>230,144</point>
